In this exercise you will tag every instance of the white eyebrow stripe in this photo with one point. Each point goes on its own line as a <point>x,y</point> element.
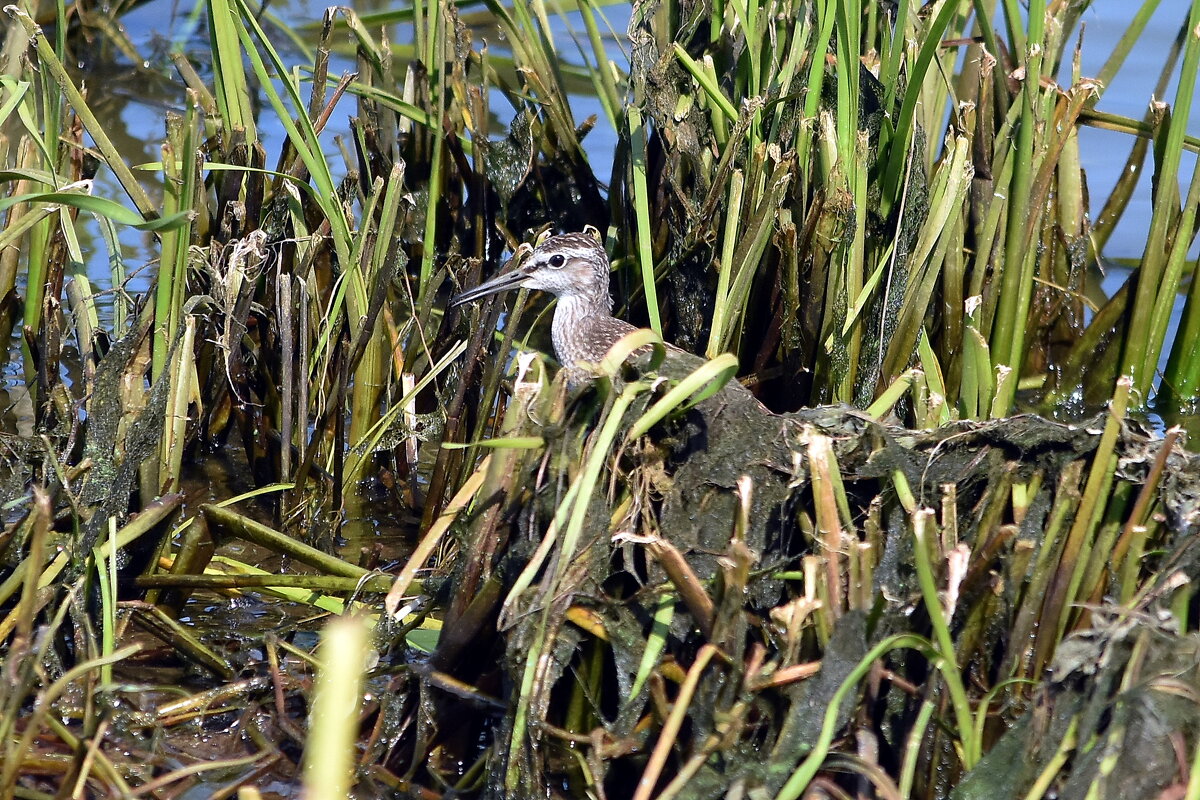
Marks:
<point>569,252</point>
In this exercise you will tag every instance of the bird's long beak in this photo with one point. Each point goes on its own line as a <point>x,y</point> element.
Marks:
<point>518,270</point>
<point>500,283</point>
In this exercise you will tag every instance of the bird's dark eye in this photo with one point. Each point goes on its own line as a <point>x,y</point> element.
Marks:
<point>557,261</point>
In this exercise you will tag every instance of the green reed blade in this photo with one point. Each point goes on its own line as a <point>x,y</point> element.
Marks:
<point>1157,282</point>
<point>641,200</point>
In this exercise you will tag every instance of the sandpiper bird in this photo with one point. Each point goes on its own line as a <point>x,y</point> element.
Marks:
<point>574,268</point>
<point>727,435</point>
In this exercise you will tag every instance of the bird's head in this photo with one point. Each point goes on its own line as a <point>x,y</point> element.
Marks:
<point>568,265</point>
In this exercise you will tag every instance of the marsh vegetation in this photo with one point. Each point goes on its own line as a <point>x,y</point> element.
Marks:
<point>939,555</point>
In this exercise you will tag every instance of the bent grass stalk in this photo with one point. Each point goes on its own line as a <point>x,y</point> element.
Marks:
<point>947,659</point>
<point>569,517</point>
<point>795,786</point>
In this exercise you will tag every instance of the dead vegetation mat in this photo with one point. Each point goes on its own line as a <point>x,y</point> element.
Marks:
<point>738,602</point>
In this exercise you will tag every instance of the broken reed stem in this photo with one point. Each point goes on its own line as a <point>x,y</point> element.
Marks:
<point>1149,492</point>
<point>317,583</point>
<point>820,452</point>
<point>252,531</point>
<point>686,582</point>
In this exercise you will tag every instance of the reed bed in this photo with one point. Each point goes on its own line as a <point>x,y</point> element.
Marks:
<point>936,554</point>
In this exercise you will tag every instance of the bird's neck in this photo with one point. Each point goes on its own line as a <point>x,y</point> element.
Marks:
<point>571,319</point>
